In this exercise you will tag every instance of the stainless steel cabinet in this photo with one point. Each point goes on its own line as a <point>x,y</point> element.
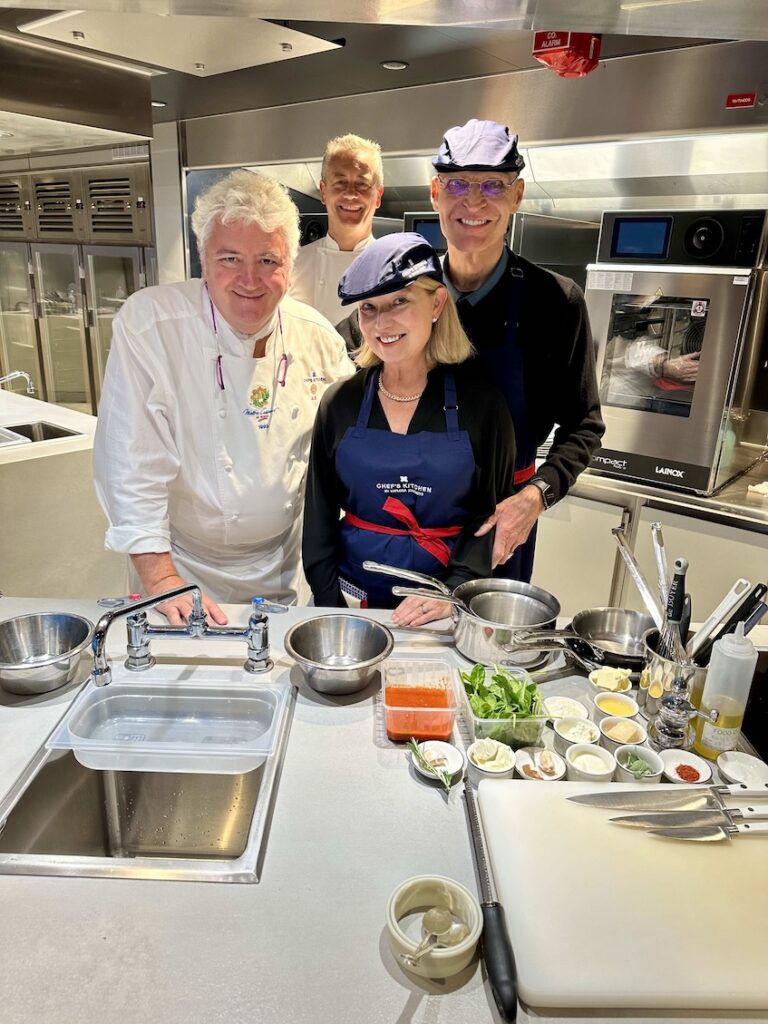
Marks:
<point>18,337</point>
<point>62,327</point>
<point>111,275</point>
<point>82,205</point>
<point>57,303</point>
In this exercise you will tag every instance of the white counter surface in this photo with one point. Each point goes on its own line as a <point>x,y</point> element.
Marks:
<point>305,944</point>
<point>15,408</point>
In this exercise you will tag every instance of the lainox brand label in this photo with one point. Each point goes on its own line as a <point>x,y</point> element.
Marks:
<point>658,471</point>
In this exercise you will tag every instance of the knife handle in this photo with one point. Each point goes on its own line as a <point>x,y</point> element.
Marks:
<point>752,828</point>
<point>742,813</point>
<point>740,790</point>
<point>500,961</point>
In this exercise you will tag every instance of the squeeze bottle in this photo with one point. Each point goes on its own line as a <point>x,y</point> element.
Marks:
<point>729,678</point>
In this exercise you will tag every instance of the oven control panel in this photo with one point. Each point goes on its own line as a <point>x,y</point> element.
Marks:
<point>722,238</point>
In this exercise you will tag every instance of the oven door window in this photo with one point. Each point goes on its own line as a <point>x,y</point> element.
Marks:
<point>652,353</point>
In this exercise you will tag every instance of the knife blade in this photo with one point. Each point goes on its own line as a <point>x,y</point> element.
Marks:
<point>712,833</point>
<point>681,819</point>
<point>693,798</point>
<point>497,950</point>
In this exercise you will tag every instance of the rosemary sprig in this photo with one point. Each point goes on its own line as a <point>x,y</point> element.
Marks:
<point>445,777</point>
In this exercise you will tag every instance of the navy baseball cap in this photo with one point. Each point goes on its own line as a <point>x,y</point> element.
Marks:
<point>479,146</point>
<point>387,265</point>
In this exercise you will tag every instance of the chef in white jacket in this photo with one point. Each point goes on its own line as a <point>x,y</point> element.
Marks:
<point>209,398</point>
<point>351,187</point>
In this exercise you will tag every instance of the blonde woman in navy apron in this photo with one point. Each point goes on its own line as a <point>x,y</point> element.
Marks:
<point>412,453</point>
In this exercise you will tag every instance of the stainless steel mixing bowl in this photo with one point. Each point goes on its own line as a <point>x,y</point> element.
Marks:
<point>339,653</point>
<point>41,652</point>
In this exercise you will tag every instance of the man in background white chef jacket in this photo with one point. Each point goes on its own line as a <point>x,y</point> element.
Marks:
<point>209,398</point>
<point>351,187</point>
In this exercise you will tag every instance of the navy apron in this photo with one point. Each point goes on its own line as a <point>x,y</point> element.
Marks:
<point>506,367</point>
<point>407,498</point>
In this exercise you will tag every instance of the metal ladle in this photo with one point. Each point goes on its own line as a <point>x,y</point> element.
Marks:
<point>438,923</point>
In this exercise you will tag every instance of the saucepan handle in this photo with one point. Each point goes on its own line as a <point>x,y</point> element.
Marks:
<point>407,574</point>
<point>428,595</point>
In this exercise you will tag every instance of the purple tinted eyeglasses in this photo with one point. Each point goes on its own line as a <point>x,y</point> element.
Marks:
<point>490,188</point>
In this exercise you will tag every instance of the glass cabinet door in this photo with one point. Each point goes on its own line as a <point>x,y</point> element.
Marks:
<point>18,333</point>
<point>111,276</point>
<point>62,327</point>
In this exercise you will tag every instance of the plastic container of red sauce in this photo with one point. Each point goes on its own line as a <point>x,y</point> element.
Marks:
<point>419,699</point>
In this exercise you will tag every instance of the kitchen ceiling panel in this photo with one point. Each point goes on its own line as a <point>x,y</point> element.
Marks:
<point>713,19</point>
<point>200,46</point>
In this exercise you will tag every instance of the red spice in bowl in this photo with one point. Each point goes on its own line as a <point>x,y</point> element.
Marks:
<point>687,772</point>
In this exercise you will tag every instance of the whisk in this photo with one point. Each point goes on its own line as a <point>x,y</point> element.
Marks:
<point>670,645</point>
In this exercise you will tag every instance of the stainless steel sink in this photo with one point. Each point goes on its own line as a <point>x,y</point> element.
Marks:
<point>64,819</point>
<point>41,431</point>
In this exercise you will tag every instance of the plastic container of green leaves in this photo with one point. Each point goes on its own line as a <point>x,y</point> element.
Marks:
<point>503,704</point>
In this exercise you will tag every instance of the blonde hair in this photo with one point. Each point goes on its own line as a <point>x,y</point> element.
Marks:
<point>447,343</point>
<point>251,198</point>
<point>351,144</point>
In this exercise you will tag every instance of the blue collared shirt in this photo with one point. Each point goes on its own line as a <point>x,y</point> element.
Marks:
<point>490,282</point>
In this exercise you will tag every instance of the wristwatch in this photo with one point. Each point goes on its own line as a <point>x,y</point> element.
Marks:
<point>547,493</point>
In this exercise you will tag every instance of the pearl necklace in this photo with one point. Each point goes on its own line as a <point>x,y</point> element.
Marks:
<point>399,398</point>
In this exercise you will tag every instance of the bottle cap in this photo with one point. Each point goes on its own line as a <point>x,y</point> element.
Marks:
<point>736,645</point>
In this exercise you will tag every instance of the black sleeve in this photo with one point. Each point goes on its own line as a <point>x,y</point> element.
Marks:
<point>577,406</point>
<point>322,508</point>
<point>493,443</point>
<point>349,329</point>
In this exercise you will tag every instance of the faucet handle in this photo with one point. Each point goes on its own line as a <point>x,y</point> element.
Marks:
<point>197,621</point>
<point>261,605</point>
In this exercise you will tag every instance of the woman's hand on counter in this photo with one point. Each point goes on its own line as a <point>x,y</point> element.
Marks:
<point>415,611</point>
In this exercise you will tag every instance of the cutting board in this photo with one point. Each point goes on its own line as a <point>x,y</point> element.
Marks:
<point>605,916</point>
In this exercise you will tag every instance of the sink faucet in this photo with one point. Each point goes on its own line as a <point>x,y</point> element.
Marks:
<point>256,634</point>
<point>15,375</point>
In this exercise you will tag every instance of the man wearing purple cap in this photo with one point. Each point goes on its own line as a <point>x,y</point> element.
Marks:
<point>528,325</point>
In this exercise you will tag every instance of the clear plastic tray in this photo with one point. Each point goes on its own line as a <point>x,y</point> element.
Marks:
<point>172,727</point>
<point>416,716</point>
<point>516,733</point>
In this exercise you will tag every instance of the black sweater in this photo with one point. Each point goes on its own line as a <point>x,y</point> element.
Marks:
<point>482,413</point>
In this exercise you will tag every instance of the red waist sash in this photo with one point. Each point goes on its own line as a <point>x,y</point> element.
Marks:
<point>427,537</point>
<point>522,476</point>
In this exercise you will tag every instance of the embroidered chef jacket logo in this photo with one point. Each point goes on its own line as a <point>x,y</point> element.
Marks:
<point>259,397</point>
<point>259,407</point>
<point>313,380</point>
<point>404,487</point>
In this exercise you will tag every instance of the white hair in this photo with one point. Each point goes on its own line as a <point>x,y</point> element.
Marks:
<point>251,198</point>
<point>350,145</point>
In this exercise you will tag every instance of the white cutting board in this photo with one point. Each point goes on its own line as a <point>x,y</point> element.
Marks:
<point>605,916</point>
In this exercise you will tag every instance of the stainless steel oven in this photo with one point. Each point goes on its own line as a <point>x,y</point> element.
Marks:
<point>677,303</point>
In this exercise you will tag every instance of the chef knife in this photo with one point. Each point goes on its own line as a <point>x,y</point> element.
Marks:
<point>712,833</point>
<point>680,819</point>
<point>497,951</point>
<point>691,799</point>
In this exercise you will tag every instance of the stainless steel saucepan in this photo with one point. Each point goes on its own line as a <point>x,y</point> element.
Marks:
<point>477,632</point>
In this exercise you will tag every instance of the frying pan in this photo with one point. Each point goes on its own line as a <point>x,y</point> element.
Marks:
<point>616,634</point>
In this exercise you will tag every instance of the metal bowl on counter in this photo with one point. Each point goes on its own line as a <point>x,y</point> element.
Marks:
<point>40,652</point>
<point>339,654</point>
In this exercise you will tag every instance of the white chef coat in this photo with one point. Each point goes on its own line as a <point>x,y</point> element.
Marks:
<point>214,476</point>
<point>317,272</point>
